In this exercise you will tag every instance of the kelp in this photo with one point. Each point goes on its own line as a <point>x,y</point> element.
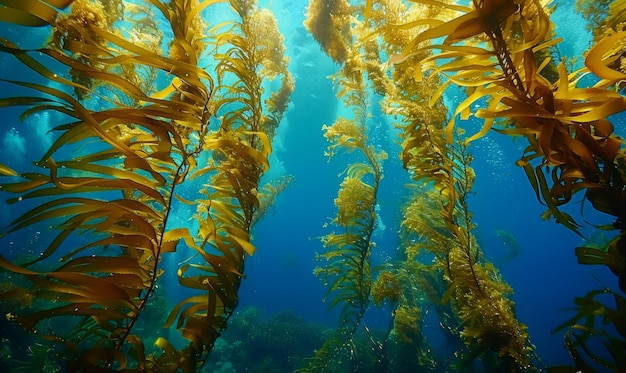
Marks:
<point>32,13</point>
<point>590,325</point>
<point>491,49</point>
<point>565,125</point>
<point>478,296</point>
<point>437,218</point>
<point>470,283</point>
<point>411,289</point>
<point>603,17</point>
<point>345,265</point>
<point>329,23</point>
<point>146,142</point>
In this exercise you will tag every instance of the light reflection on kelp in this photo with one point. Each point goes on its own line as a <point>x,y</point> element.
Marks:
<point>161,108</point>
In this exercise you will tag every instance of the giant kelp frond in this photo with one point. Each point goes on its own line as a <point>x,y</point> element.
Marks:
<point>437,220</point>
<point>113,177</point>
<point>603,16</point>
<point>32,13</point>
<point>412,289</point>
<point>607,60</point>
<point>565,125</point>
<point>346,268</point>
<point>239,150</point>
<point>476,292</point>
<point>254,51</point>
<point>345,265</point>
<point>491,49</point>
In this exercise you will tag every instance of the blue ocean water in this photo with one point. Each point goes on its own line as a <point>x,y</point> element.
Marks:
<point>535,256</point>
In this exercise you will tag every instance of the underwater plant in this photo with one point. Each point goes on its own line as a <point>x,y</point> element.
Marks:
<point>345,267</point>
<point>477,294</point>
<point>492,49</point>
<point>138,124</point>
<point>346,270</point>
<point>495,43</point>
<point>267,194</point>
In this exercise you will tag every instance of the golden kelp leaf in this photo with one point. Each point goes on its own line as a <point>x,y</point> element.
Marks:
<point>196,299</point>
<point>542,191</point>
<point>599,111</point>
<point>172,237</point>
<point>139,350</point>
<point>70,183</point>
<point>90,287</point>
<point>14,268</point>
<point>109,265</point>
<point>61,4</point>
<point>169,351</point>
<point>266,149</point>
<point>6,171</point>
<point>174,360</point>
<point>483,20</point>
<point>244,244</point>
<point>437,31</point>
<point>113,172</point>
<point>29,12</point>
<point>222,270</point>
<point>45,211</point>
<point>36,180</point>
<point>199,330</point>
<point>31,320</point>
<point>605,52</point>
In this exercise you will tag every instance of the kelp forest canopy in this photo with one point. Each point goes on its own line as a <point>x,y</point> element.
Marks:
<point>164,109</point>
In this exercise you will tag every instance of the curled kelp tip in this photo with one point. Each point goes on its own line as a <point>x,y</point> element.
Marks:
<point>605,53</point>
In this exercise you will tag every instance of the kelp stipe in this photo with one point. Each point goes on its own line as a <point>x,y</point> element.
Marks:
<point>120,194</point>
